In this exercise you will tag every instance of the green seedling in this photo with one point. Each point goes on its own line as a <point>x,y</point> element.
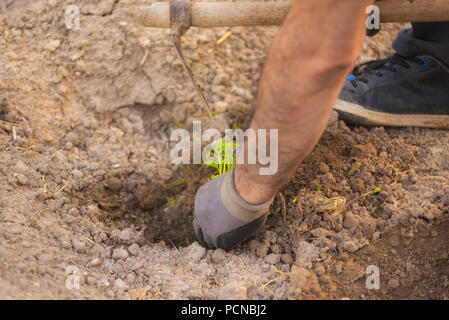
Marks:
<point>221,157</point>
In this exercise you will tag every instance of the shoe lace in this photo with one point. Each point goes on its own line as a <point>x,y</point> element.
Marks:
<point>361,71</point>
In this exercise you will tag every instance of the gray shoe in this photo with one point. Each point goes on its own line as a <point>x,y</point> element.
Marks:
<point>222,218</point>
<point>397,91</point>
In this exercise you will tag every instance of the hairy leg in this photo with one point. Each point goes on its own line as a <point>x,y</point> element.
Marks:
<point>303,74</point>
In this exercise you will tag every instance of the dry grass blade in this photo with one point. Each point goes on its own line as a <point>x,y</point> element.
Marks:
<point>284,208</point>
<point>141,294</point>
<point>14,134</point>
<point>336,204</point>
<point>224,37</point>
<point>339,204</point>
<point>61,189</point>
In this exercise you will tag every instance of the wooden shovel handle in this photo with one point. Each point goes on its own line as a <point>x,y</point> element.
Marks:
<point>229,14</point>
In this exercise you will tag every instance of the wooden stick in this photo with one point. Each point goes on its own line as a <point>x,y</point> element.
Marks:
<point>418,11</point>
<point>229,14</point>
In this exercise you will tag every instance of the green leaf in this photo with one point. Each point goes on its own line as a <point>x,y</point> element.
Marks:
<point>220,157</point>
<point>171,201</point>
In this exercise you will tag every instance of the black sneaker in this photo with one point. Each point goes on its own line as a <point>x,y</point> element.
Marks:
<point>397,91</point>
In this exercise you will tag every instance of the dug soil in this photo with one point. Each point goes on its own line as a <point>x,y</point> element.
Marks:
<point>91,208</point>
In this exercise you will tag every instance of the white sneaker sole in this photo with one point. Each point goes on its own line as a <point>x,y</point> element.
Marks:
<point>364,116</point>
